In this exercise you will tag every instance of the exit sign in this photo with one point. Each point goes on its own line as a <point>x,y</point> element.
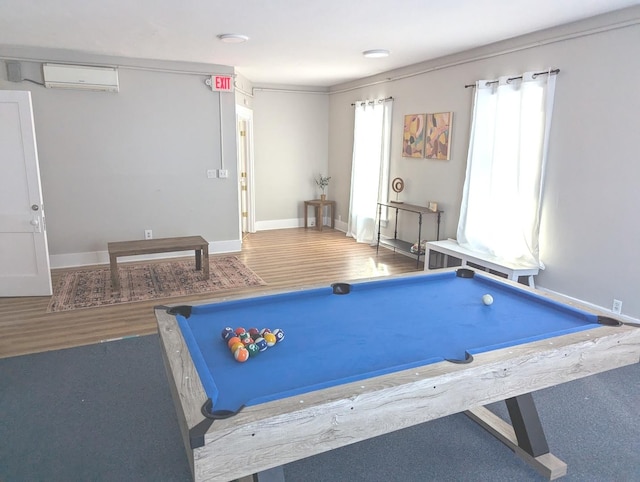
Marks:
<point>222,83</point>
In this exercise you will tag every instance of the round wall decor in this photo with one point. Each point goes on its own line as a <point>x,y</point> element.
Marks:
<point>398,186</point>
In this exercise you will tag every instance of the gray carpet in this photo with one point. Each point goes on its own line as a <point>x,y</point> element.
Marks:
<point>104,413</point>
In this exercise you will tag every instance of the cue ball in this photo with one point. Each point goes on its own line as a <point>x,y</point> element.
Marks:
<point>487,299</point>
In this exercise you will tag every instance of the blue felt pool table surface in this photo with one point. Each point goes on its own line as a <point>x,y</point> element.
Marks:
<point>380,327</point>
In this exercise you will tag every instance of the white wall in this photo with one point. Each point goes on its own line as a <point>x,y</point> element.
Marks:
<point>115,164</point>
<point>590,226</point>
<point>290,133</point>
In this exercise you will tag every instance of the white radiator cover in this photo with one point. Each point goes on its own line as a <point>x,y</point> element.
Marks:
<point>60,76</point>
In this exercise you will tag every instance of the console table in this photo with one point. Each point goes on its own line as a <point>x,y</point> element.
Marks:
<point>160,245</point>
<point>450,247</point>
<point>399,244</point>
<point>318,205</point>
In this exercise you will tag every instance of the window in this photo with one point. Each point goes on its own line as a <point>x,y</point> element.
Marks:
<point>501,201</point>
<point>370,166</point>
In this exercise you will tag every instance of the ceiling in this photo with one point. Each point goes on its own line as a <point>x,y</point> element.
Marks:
<point>292,42</point>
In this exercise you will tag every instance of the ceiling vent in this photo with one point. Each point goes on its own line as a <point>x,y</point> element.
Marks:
<point>59,76</point>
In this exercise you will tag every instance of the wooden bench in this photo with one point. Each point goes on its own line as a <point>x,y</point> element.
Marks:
<point>450,247</point>
<point>160,245</point>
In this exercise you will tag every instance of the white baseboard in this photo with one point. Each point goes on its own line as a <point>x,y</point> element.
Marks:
<point>341,226</point>
<point>294,223</point>
<point>102,257</point>
<point>279,224</point>
<point>624,318</point>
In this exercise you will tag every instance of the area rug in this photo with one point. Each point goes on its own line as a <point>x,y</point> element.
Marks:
<point>142,282</point>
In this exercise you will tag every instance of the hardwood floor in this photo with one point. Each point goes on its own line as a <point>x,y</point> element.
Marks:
<point>284,259</point>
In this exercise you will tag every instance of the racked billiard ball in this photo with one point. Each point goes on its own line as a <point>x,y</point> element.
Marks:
<point>232,341</point>
<point>240,330</point>
<point>241,354</point>
<point>253,332</point>
<point>264,330</point>
<point>253,349</point>
<point>279,335</point>
<point>261,343</point>
<point>227,332</point>
<point>236,346</point>
<point>270,338</point>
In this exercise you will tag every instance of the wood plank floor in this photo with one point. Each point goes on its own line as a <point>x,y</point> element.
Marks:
<point>288,258</point>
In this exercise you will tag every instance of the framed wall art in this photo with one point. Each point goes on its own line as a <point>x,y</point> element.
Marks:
<point>438,135</point>
<point>413,136</point>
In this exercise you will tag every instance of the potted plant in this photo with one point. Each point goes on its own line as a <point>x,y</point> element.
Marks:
<point>323,182</point>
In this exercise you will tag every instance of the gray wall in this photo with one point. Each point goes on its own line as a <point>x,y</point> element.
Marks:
<point>290,132</point>
<point>115,164</point>
<point>590,228</point>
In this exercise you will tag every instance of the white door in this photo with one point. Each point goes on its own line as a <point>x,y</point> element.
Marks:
<point>24,255</point>
<point>244,123</point>
<point>242,161</point>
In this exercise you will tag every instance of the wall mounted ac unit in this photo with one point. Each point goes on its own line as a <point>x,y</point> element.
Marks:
<point>80,77</point>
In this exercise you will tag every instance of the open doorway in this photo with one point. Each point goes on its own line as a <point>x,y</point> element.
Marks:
<point>244,134</point>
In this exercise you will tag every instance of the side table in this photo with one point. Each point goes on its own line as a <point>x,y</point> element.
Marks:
<point>318,205</point>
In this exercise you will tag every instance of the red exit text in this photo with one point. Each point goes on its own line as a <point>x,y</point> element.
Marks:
<point>222,83</point>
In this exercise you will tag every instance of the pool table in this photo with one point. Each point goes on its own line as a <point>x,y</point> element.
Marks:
<point>366,358</point>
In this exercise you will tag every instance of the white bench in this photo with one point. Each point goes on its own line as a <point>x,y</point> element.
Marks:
<point>450,247</point>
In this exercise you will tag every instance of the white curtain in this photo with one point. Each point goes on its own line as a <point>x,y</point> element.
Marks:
<point>370,167</point>
<point>501,201</point>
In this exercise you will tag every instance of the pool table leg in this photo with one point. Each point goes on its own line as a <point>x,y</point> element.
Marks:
<point>275,474</point>
<point>526,437</point>
<point>527,426</point>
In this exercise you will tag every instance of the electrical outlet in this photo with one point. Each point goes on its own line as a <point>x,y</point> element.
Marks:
<point>148,234</point>
<point>223,173</point>
<point>617,306</point>
<point>211,173</point>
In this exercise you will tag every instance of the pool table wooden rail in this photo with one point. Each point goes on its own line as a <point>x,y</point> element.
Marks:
<point>272,434</point>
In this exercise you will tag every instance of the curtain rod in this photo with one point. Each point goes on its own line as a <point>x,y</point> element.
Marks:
<point>554,71</point>
<point>371,102</point>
